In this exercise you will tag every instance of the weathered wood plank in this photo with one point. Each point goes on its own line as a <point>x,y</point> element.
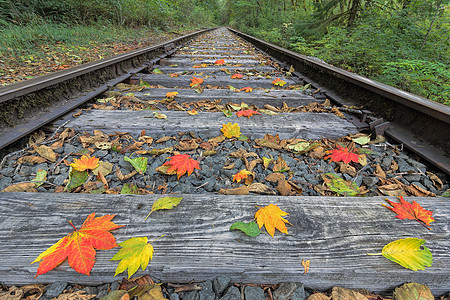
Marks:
<point>188,62</point>
<point>334,233</point>
<point>302,125</point>
<point>216,56</point>
<point>216,68</point>
<point>185,80</point>
<point>256,97</point>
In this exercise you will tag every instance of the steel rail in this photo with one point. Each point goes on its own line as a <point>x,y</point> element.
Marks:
<point>420,124</point>
<point>13,92</point>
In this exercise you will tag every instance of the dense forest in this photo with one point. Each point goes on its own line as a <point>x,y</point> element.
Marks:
<point>404,43</point>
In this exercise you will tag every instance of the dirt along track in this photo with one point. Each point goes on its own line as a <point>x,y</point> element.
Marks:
<point>283,148</point>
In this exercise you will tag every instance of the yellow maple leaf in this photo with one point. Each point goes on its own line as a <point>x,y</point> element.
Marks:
<point>242,174</point>
<point>192,112</point>
<point>171,95</point>
<point>135,252</point>
<point>271,217</point>
<point>85,163</point>
<point>231,130</point>
<point>279,82</point>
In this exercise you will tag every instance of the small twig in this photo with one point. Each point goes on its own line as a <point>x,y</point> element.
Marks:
<point>200,186</point>
<point>35,181</point>
<point>57,129</point>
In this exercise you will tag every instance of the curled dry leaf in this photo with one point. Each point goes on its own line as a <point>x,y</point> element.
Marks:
<point>46,152</point>
<point>20,187</point>
<point>242,190</point>
<point>260,188</point>
<point>305,264</point>
<point>32,160</point>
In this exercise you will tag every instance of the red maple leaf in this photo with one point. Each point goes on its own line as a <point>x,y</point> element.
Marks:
<point>237,76</point>
<point>79,246</point>
<point>342,154</point>
<point>247,113</point>
<point>181,163</point>
<point>219,62</point>
<point>246,89</point>
<point>196,81</point>
<point>411,211</point>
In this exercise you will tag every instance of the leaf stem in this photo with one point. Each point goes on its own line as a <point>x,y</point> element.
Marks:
<point>70,222</point>
<point>374,253</point>
<point>156,239</point>
<point>148,215</point>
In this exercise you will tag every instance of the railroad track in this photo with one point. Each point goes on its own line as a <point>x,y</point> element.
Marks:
<point>180,101</point>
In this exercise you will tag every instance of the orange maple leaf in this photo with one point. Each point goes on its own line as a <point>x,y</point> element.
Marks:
<point>237,76</point>
<point>182,164</point>
<point>219,62</point>
<point>247,113</point>
<point>174,75</point>
<point>242,174</point>
<point>231,130</point>
<point>342,154</point>
<point>196,81</point>
<point>171,95</point>
<point>85,163</point>
<point>246,89</point>
<point>192,112</point>
<point>271,217</point>
<point>79,246</point>
<point>279,82</point>
<point>411,211</point>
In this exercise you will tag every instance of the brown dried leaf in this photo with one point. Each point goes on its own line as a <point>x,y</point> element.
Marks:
<point>394,166</point>
<point>36,138</point>
<point>275,177</point>
<point>379,171</point>
<point>280,165</point>
<point>416,190</point>
<point>215,141</point>
<point>80,295</point>
<point>164,139</point>
<point>319,296</point>
<point>317,153</point>
<point>346,168</point>
<point>252,164</point>
<point>242,190</point>
<point>46,153</point>
<point>187,145</point>
<point>32,160</point>
<point>229,167</point>
<point>339,293</point>
<point>436,181</point>
<point>206,146</point>
<point>20,187</point>
<point>122,177</point>
<point>260,188</point>
<point>146,139</point>
<point>284,188</point>
<point>32,292</point>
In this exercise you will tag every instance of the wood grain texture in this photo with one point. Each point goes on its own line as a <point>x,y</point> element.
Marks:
<point>185,80</point>
<point>334,233</point>
<point>256,97</point>
<point>188,62</point>
<point>201,57</point>
<point>216,68</point>
<point>302,125</point>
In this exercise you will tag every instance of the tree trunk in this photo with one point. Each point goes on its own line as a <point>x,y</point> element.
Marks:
<point>353,12</point>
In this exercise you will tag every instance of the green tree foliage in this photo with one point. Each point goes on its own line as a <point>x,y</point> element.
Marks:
<point>404,43</point>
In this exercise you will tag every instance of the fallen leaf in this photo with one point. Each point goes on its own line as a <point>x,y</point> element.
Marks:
<point>20,187</point>
<point>409,253</point>
<point>250,229</point>
<point>79,246</point>
<point>343,293</point>
<point>379,171</point>
<point>413,290</point>
<point>159,115</point>
<point>242,190</point>
<point>36,138</point>
<point>174,75</point>
<point>41,175</point>
<point>237,76</point>
<point>219,62</point>
<point>46,152</point>
<point>85,163</point>
<point>182,164</point>
<point>242,174</point>
<point>32,160</point>
<point>164,203</point>
<point>171,95</point>
<point>271,217</point>
<point>129,189</point>
<point>410,211</point>
<point>342,154</point>
<point>231,130</point>
<point>104,167</point>
<point>362,140</point>
<point>157,71</point>
<point>261,188</point>
<point>196,82</point>
<point>436,181</point>
<point>192,112</point>
<point>278,82</point>
<point>305,264</point>
<point>341,186</point>
<point>139,163</point>
<point>187,145</point>
<point>247,113</point>
<point>76,179</point>
<point>103,145</point>
<point>266,162</point>
<point>135,252</point>
<point>246,89</point>
<point>280,165</point>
